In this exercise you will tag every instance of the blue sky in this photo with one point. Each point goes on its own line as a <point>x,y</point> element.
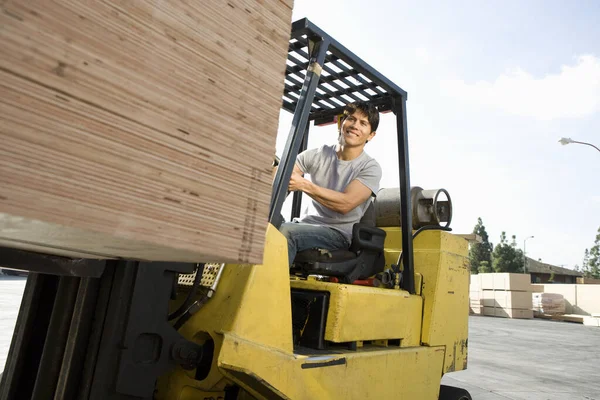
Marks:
<point>491,87</point>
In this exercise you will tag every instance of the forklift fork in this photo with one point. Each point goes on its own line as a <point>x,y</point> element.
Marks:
<point>101,335</point>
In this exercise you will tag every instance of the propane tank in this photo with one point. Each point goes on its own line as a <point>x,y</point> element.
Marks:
<point>428,208</point>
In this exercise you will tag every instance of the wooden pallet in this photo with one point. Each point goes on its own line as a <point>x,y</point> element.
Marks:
<point>562,317</point>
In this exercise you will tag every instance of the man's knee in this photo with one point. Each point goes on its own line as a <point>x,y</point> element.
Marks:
<point>287,229</point>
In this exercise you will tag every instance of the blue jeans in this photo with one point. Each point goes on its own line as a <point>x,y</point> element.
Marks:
<point>306,236</point>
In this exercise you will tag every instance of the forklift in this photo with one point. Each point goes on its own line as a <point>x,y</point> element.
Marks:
<point>384,319</point>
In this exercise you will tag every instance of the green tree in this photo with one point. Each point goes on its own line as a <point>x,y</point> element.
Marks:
<point>506,257</point>
<point>485,267</point>
<point>593,264</point>
<point>585,264</point>
<point>480,253</point>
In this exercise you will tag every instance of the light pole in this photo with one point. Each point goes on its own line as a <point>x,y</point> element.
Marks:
<point>525,253</point>
<point>566,141</point>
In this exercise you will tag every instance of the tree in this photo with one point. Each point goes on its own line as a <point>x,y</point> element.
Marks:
<point>480,252</point>
<point>585,265</point>
<point>485,267</point>
<point>593,264</point>
<point>506,257</point>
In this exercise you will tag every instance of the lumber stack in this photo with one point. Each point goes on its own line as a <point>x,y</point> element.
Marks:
<point>505,295</point>
<point>475,295</point>
<point>140,129</point>
<point>583,299</point>
<point>548,303</point>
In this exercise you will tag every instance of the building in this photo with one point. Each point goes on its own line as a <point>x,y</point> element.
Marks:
<point>546,273</point>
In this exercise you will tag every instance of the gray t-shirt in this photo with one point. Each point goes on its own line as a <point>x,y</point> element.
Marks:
<point>326,170</point>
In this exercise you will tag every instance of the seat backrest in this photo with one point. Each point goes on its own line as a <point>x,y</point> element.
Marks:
<point>384,210</point>
<point>369,217</point>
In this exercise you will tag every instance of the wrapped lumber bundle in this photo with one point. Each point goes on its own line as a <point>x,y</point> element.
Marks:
<point>140,129</point>
<point>548,303</point>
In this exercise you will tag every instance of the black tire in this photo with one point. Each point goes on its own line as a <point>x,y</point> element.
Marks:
<point>453,393</point>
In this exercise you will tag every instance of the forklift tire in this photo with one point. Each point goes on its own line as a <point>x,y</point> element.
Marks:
<point>453,393</point>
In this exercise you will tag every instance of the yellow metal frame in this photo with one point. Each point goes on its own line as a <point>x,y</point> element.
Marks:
<point>442,264</point>
<point>249,319</point>
<point>358,313</point>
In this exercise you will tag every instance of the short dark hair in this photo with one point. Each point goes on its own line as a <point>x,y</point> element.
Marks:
<point>366,108</point>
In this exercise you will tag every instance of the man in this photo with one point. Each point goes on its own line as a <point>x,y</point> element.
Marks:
<point>343,179</point>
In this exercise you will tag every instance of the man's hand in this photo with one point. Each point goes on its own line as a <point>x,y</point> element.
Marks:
<point>297,182</point>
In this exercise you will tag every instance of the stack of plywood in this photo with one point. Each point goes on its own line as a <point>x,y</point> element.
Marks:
<point>140,129</point>
<point>475,295</point>
<point>506,295</point>
<point>548,303</point>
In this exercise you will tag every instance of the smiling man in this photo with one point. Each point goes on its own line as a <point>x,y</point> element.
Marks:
<point>344,179</point>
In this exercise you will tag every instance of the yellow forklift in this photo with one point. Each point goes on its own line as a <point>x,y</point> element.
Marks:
<point>384,319</point>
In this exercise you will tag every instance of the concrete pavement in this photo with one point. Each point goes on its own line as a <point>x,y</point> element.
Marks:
<point>530,359</point>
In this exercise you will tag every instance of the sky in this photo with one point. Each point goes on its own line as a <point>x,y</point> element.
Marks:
<point>492,86</point>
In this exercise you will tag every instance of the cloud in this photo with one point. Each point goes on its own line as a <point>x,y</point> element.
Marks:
<point>572,93</point>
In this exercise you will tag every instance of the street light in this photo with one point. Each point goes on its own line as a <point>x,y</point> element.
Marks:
<point>525,253</point>
<point>566,141</point>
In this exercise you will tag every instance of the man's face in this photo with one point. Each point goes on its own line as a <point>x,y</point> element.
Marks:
<point>356,130</point>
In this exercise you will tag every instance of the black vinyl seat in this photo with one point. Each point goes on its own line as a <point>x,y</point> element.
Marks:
<point>363,259</point>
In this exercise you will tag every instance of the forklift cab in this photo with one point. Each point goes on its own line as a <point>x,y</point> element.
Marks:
<point>322,78</point>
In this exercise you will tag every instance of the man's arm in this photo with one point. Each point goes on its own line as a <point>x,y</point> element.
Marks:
<point>355,193</point>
